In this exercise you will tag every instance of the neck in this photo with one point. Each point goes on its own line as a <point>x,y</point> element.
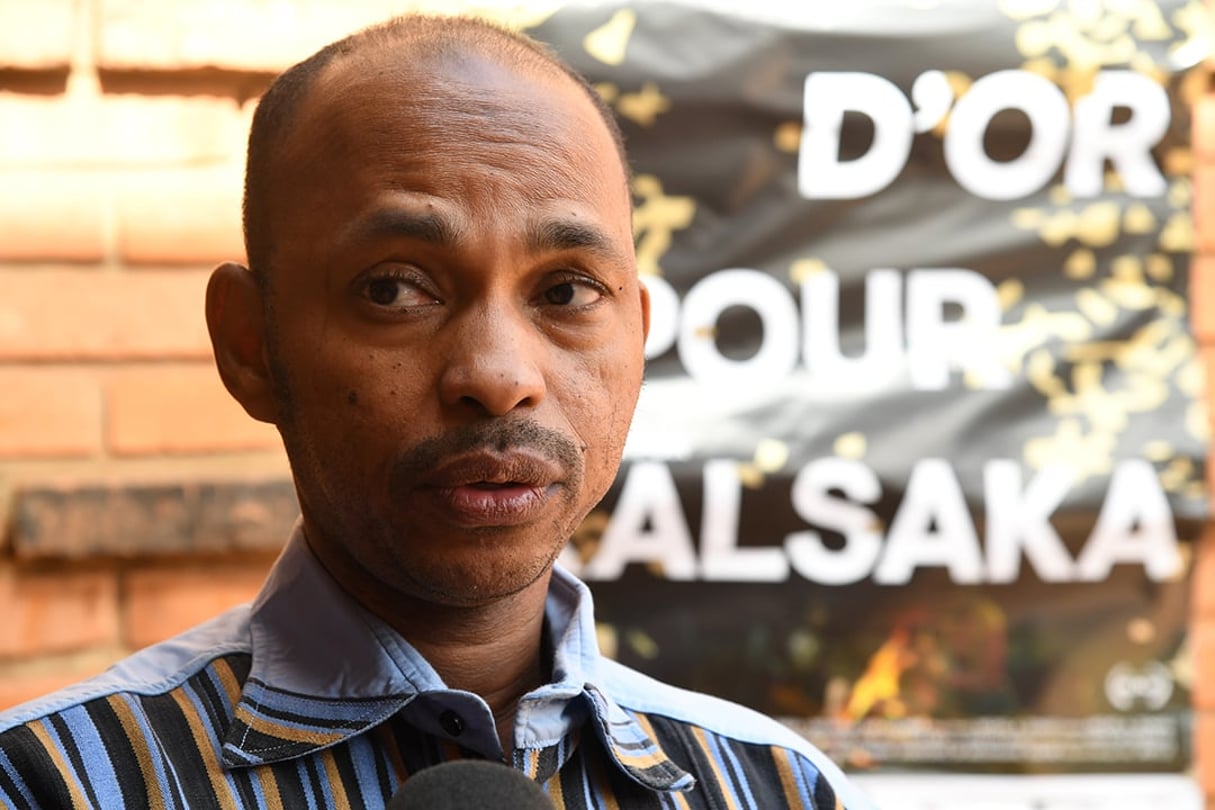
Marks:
<point>495,651</point>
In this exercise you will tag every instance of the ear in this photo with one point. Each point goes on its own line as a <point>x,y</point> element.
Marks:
<point>237,323</point>
<point>644,292</point>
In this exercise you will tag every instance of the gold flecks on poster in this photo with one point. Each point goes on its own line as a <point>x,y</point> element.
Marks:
<point>644,106</point>
<point>788,136</point>
<point>1149,25</point>
<point>1178,234</point>
<point>589,535</point>
<point>1060,195</point>
<point>608,638</point>
<point>1194,84</point>
<point>1098,224</point>
<point>1058,228</point>
<point>1180,192</point>
<point>1138,219</point>
<point>609,42</point>
<point>1191,376</point>
<point>1028,219</point>
<point>1140,630</point>
<point>1009,293</point>
<point>1198,423</point>
<point>1096,307</point>
<point>1178,161</point>
<point>607,91</point>
<point>655,219</point>
<point>1193,19</point>
<point>1177,473</point>
<point>851,445</point>
<point>641,643</point>
<point>1158,451</point>
<point>1080,265</point>
<point>1040,371</point>
<point>1088,454</point>
<point>802,269</point>
<point>1070,42</point>
<point>771,455</point>
<point>750,476</point>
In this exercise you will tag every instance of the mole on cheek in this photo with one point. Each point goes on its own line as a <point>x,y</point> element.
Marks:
<point>353,397</point>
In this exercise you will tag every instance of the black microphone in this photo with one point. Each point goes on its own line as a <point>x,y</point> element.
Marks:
<point>464,784</point>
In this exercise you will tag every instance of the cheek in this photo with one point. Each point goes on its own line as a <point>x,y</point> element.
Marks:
<point>347,396</point>
<point>604,396</point>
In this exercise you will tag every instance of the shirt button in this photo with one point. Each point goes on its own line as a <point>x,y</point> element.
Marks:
<point>452,723</point>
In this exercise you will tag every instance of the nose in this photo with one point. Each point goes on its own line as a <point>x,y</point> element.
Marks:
<point>493,363</point>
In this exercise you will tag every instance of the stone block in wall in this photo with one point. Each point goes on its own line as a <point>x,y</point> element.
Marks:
<point>119,130</point>
<point>48,216</point>
<point>79,314</point>
<point>1202,298</point>
<point>159,410</point>
<point>36,35</point>
<point>49,412</point>
<point>1202,133</point>
<point>57,611</point>
<point>1203,207</point>
<point>191,216</point>
<point>162,601</point>
<point>228,34</point>
<point>130,520</point>
<point>50,676</point>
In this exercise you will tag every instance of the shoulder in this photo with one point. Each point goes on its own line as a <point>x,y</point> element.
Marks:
<point>154,670</point>
<point>727,721</point>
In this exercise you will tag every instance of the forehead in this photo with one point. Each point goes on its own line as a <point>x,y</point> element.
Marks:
<point>448,116</point>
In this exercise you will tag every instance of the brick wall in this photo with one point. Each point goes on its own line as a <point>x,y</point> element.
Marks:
<point>146,499</point>
<point>138,498</point>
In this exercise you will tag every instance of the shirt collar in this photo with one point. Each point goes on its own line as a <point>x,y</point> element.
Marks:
<point>324,669</point>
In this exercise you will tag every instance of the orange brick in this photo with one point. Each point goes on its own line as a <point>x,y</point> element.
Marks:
<point>15,690</point>
<point>51,216</point>
<point>49,412</point>
<point>1204,750</point>
<point>79,314</point>
<point>161,602</point>
<point>1202,298</point>
<point>1202,601</point>
<point>36,36</point>
<point>1204,207</point>
<point>1202,129</point>
<point>185,217</point>
<point>1202,645</point>
<point>230,34</point>
<point>118,130</point>
<point>24,680</point>
<point>56,612</point>
<point>181,409</point>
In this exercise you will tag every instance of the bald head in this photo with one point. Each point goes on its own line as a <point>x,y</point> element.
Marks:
<point>408,41</point>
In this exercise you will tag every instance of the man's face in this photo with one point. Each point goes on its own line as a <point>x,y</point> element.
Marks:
<point>458,324</point>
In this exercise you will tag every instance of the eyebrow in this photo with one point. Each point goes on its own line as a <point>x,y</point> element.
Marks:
<point>548,235</point>
<point>427,227</point>
<point>565,234</point>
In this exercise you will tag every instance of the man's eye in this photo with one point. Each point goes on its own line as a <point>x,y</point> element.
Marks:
<point>390,291</point>
<point>572,293</point>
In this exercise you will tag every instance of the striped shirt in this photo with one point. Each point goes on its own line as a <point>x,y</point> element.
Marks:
<point>305,700</point>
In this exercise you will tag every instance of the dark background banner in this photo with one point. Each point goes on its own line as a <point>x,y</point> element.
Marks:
<point>920,451</point>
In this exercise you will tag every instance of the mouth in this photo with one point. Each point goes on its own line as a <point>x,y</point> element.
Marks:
<point>490,489</point>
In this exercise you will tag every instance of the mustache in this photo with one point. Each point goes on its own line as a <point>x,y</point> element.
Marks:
<point>501,437</point>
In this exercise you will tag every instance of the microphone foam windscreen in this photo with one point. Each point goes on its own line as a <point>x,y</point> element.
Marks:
<point>469,783</point>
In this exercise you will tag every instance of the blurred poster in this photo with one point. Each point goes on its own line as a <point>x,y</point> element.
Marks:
<point>920,454</point>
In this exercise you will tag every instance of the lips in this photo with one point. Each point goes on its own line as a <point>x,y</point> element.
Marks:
<point>491,489</point>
